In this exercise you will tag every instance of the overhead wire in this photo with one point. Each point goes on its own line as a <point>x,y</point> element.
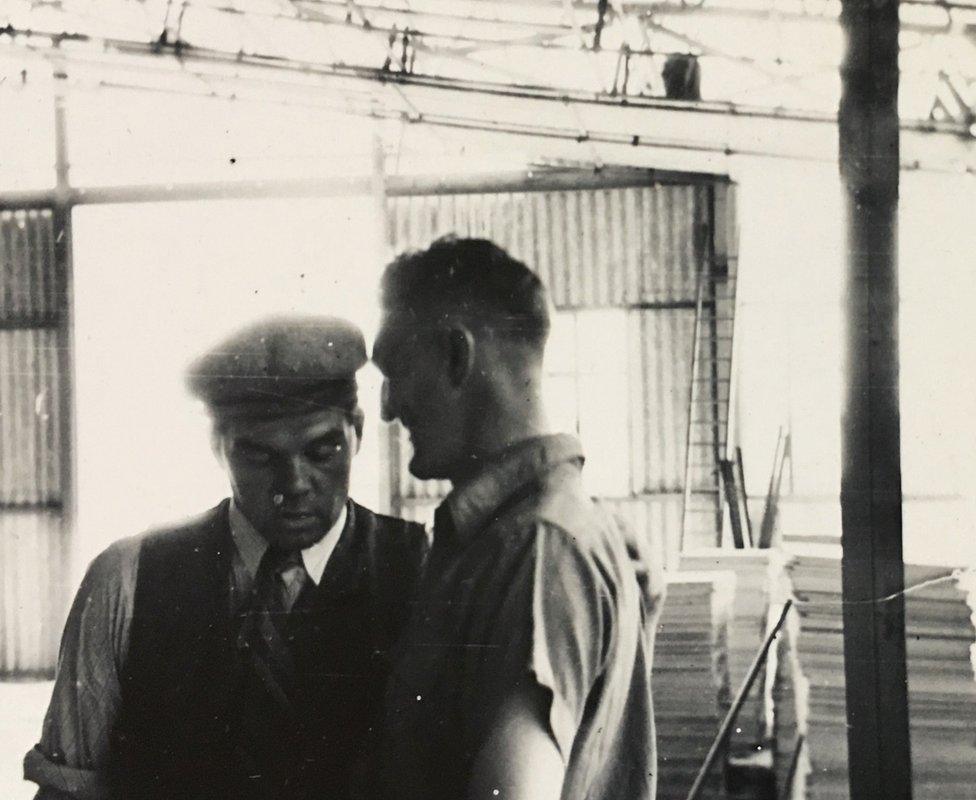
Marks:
<point>455,122</point>
<point>304,14</point>
<point>953,575</point>
<point>125,47</point>
<point>417,13</point>
<point>425,41</point>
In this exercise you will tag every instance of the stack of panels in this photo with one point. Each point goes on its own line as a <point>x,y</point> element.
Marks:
<point>747,627</point>
<point>691,679</point>
<point>941,685</point>
<point>784,718</point>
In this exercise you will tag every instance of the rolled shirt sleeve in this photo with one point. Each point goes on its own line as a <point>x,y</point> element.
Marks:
<point>529,585</point>
<point>649,572</point>
<point>551,627</point>
<point>71,758</point>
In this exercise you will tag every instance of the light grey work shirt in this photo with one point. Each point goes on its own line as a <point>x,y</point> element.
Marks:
<point>528,580</point>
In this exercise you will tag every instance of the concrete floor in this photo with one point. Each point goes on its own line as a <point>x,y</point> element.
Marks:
<point>22,707</point>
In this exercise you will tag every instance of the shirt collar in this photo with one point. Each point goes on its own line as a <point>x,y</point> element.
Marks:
<point>517,467</point>
<point>251,545</point>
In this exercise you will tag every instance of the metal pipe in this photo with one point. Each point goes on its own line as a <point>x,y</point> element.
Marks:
<point>741,474</point>
<point>827,13</point>
<point>216,190</point>
<point>740,697</point>
<point>768,524</point>
<point>387,435</point>
<point>622,143</point>
<point>63,557</point>
<point>186,55</point>
<point>879,751</point>
<point>158,193</point>
<point>525,180</point>
<point>321,18</point>
<point>343,6</point>
<point>695,360</point>
<point>542,179</point>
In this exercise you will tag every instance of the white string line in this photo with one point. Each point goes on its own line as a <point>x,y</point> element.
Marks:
<point>955,575</point>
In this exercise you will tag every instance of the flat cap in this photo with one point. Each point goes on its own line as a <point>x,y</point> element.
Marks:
<point>280,367</point>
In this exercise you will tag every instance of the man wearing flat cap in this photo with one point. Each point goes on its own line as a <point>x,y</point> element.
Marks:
<point>242,654</point>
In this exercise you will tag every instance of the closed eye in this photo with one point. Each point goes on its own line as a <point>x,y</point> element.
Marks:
<point>252,453</point>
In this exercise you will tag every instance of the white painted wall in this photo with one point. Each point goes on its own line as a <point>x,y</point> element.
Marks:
<point>195,258</point>
<point>204,267</point>
<point>155,285</point>
<point>790,334</point>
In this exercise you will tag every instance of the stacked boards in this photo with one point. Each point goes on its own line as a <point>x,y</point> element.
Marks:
<point>690,678</point>
<point>785,730</point>
<point>941,686</point>
<point>754,571</point>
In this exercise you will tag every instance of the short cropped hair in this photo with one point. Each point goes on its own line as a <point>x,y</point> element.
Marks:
<point>475,279</point>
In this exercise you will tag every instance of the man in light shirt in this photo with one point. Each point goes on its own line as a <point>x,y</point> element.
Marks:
<point>525,670</point>
<point>242,654</point>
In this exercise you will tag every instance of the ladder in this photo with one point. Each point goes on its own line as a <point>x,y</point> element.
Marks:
<point>708,406</point>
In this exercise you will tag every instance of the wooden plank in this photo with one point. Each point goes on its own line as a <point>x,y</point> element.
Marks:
<point>874,629</point>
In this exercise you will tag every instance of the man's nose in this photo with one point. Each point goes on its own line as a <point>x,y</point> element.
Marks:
<point>295,478</point>
<point>388,412</point>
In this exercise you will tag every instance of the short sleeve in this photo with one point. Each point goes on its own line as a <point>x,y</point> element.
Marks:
<point>648,571</point>
<point>74,744</point>
<point>551,628</point>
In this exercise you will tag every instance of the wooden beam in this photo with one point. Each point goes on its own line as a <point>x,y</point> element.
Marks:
<point>529,179</point>
<point>63,558</point>
<point>879,753</point>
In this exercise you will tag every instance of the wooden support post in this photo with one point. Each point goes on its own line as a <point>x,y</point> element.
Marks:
<point>879,760</point>
<point>388,435</point>
<point>64,271</point>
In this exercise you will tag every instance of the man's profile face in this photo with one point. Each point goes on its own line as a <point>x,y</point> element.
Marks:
<point>303,462</point>
<point>415,392</point>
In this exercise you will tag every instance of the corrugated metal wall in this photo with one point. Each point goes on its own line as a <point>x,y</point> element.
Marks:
<point>31,576</point>
<point>660,392</point>
<point>626,248</point>
<point>33,447</point>
<point>594,249</point>
<point>30,422</point>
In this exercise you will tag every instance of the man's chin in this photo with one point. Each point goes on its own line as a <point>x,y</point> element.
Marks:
<point>423,470</point>
<point>296,535</point>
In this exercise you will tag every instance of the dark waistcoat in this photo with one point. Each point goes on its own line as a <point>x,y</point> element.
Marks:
<point>180,734</point>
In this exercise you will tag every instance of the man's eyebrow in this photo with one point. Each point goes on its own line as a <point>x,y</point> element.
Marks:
<point>244,441</point>
<point>328,437</point>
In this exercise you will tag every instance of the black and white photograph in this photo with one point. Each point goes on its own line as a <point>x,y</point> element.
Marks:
<point>487,399</point>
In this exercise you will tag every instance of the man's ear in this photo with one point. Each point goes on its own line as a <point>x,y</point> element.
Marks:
<point>358,418</point>
<point>458,345</point>
<point>217,445</point>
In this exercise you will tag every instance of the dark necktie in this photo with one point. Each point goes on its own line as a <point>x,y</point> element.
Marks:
<point>263,634</point>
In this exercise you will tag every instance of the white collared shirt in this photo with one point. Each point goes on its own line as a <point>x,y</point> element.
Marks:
<point>251,546</point>
<point>86,699</point>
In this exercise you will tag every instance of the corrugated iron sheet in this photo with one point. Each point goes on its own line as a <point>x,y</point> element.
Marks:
<point>593,248</point>
<point>662,344</point>
<point>31,446</point>
<point>601,248</point>
<point>32,559</point>
<point>28,288</point>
